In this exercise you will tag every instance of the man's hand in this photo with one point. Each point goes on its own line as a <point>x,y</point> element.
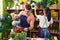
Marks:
<point>25,29</point>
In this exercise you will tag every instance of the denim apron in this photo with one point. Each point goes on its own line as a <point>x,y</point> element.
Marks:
<point>24,23</point>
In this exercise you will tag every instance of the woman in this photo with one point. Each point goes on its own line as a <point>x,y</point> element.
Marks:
<point>44,21</point>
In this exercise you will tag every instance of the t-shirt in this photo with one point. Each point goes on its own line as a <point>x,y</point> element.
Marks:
<point>43,21</point>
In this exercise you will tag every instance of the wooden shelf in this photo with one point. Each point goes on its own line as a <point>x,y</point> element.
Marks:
<point>55,33</point>
<point>13,10</point>
<point>51,32</point>
<point>56,20</point>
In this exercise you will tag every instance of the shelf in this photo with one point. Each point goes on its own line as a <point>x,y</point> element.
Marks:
<point>57,10</point>
<point>13,10</point>
<point>55,33</point>
<point>51,32</point>
<point>56,20</point>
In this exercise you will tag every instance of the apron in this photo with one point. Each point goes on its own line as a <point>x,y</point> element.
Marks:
<point>24,23</point>
<point>18,32</point>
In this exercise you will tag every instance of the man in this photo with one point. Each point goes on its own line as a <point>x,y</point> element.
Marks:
<point>26,20</point>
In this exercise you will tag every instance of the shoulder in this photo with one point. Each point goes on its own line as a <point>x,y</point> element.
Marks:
<point>22,11</point>
<point>32,16</point>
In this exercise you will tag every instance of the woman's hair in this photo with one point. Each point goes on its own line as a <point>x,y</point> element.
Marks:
<point>28,7</point>
<point>48,13</point>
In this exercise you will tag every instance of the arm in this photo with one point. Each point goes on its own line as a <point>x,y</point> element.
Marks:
<point>12,15</point>
<point>32,22</point>
<point>31,25</point>
<point>18,15</point>
<point>35,11</point>
<point>44,12</point>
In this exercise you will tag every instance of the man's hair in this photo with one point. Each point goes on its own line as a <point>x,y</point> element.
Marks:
<point>28,7</point>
